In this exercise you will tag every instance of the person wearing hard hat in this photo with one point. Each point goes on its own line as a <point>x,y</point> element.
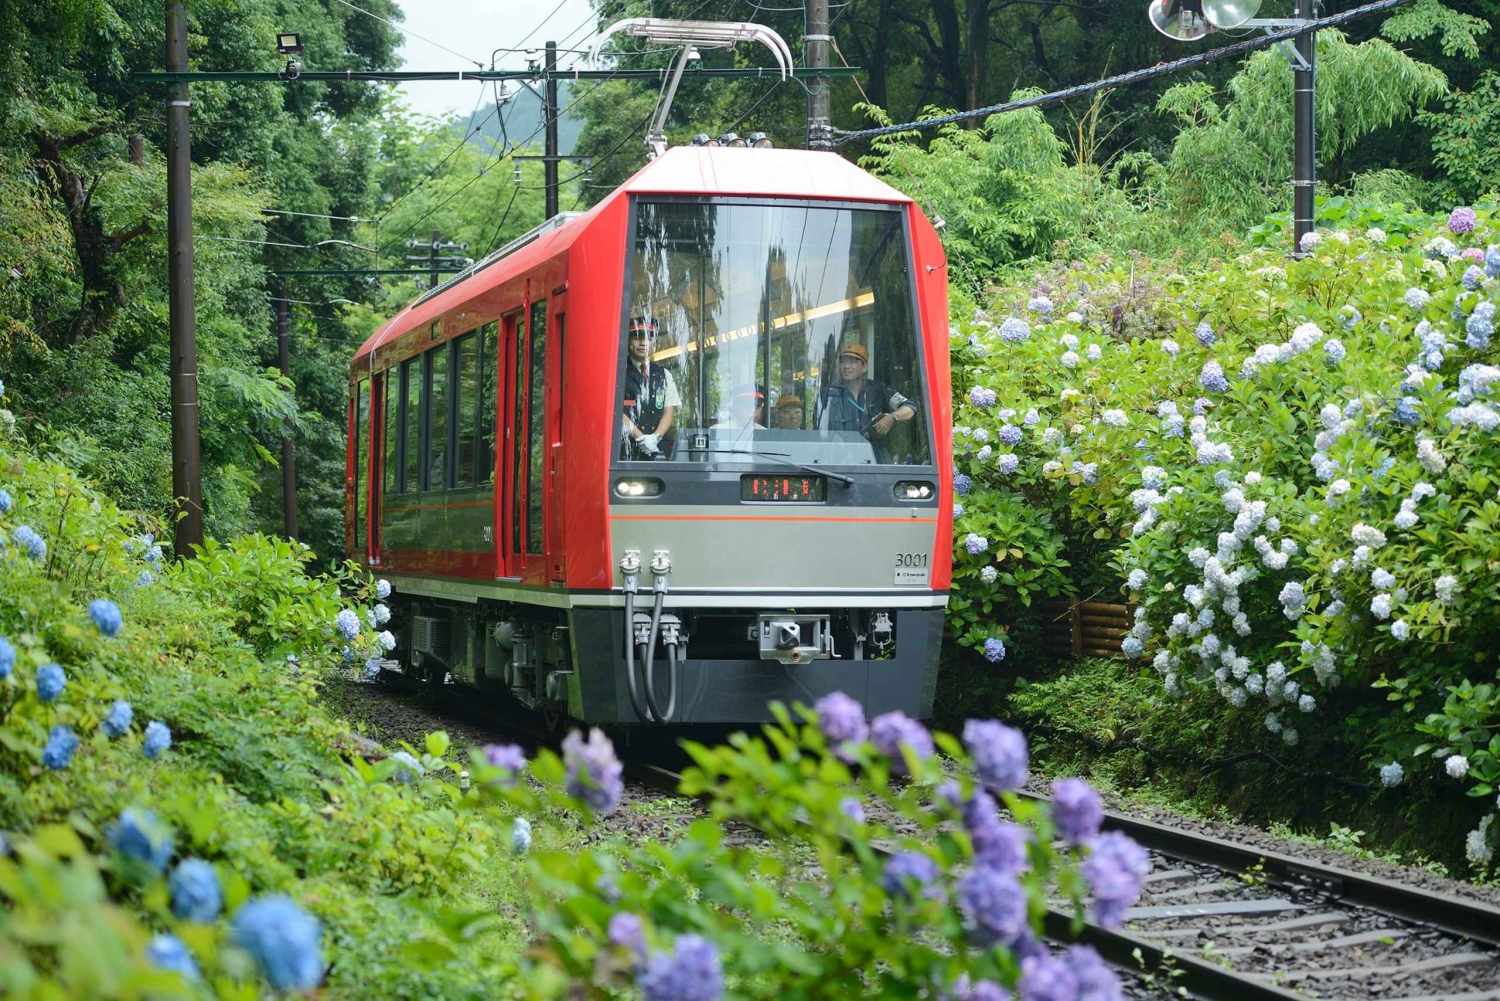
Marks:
<point>856,403</point>
<point>650,399</point>
<point>789,412</point>
<point>745,409</point>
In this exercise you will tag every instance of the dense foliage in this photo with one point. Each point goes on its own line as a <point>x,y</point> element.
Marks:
<point>1290,465</point>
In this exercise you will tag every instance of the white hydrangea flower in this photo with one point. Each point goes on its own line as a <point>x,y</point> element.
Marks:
<point>1405,519</point>
<point>1307,703</point>
<point>1361,555</point>
<point>1337,489</point>
<point>1446,587</point>
<point>1255,684</point>
<point>1457,766</point>
<point>1477,845</point>
<point>1273,722</point>
<point>988,574</point>
<point>1365,535</point>
<point>1422,490</point>
<point>1400,629</point>
<point>1392,774</point>
<point>1137,579</point>
<point>1383,579</point>
<point>1290,735</point>
<point>1115,418</point>
<point>1380,606</point>
<point>1070,359</point>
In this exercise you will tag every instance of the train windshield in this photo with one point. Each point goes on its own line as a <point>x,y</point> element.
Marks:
<point>771,330</point>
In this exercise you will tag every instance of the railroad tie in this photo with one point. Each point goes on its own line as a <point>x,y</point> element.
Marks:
<point>1361,972</point>
<point>1275,905</point>
<point>1305,921</point>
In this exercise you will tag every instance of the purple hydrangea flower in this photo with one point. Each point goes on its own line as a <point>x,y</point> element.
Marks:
<point>1473,275</point>
<point>285,941</point>
<point>962,484</point>
<point>1096,981</point>
<point>61,743</point>
<point>994,649</point>
<point>140,836</point>
<point>691,973</point>
<point>158,738</point>
<point>851,807</point>
<point>106,616</point>
<point>1212,378</point>
<point>904,869</point>
<point>507,756</point>
<point>1000,754</point>
<point>993,905</point>
<point>982,397</point>
<point>118,720</point>
<point>891,730</point>
<point>347,622</point>
<point>1205,334</point>
<point>1461,220</point>
<point>627,932</point>
<point>1010,435</point>
<point>842,722</point>
<point>976,544</point>
<point>998,844</point>
<point>593,771</point>
<point>168,952</point>
<point>1115,871</point>
<point>50,682</point>
<point>196,895</point>
<point>1076,811</point>
<point>7,658</point>
<point>1044,978</point>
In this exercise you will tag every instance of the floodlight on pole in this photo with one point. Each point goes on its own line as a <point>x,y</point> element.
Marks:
<point>288,43</point>
<point>1179,20</point>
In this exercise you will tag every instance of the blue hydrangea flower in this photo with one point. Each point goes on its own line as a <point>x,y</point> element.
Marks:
<point>1473,275</point>
<point>372,667</point>
<point>998,845</point>
<point>958,510</point>
<point>982,397</point>
<point>1010,435</point>
<point>140,836</point>
<point>7,658</point>
<point>841,719</point>
<point>994,649</point>
<point>627,931</point>
<point>106,615</point>
<point>851,807</point>
<point>1000,754</point>
<point>1008,463</point>
<point>1416,298</point>
<point>1014,330</point>
<point>1334,350</point>
<point>520,836</point>
<point>50,682</point>
<point>158,738</point>
<point>1212,378</point>
<point>907,869</point>
<point>1115,872</point>
<point>593,771</point>
<point>61,743</point>
<point>1205,334</point>
<point>168,952</point>
<point>692,972</point>
<point>31,544</point>
<point>1492,260</point>
<point>1406,412</point>
<point>119,719</point>
<point>285,941</point>
<point>382,589</point>
<point>976,544</point>
<point>993,905</point>
<point>1077,811</point>
<point>1044,978</point>
<point>1096,981</point>
<point>962,484</point>
<point>347,622</point>
<point>5,501</point>
<point>196,895</point>
<point>892,731</point>
<point>1392,774</point>
<point>409,769</point>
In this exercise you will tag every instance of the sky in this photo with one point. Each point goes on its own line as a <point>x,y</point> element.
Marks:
<point>475,28</point>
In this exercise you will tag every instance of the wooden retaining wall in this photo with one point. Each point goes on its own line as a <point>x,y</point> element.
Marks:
<point>1083,628</point>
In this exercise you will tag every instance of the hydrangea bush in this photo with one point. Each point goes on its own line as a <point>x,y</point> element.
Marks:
<point>1292,468</point>
<point>951,908</point>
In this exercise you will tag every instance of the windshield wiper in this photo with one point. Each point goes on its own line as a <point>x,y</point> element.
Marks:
<point>847,481</point>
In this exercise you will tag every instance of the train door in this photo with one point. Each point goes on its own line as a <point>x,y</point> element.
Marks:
<point>556,488</point>
<point>357,476</point>
<point>510,398</point>
<point>376,465</point>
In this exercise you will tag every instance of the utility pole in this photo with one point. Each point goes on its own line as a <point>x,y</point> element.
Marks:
<point>549,165</point>
<point>815,53</point>
<point>436,260</point>
<point>1305,142</point>
<point>187,482</point>
<point>437,242</point>
<point>288,447</point>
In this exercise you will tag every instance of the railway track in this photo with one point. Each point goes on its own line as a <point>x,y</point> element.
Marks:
<point>1227,922</point>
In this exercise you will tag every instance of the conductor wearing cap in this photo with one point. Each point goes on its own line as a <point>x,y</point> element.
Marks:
<point>855,403</point>
<point>650,400</point>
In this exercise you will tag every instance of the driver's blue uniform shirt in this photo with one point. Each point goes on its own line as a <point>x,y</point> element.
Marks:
<point>842,410</point>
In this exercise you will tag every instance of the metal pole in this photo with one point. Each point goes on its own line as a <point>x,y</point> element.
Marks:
<point>549,165</point>
<point>815,53</point>
<point>288,447</point>
<point>432,276</point>
<point>1305,149</point>
<point>187,482</point>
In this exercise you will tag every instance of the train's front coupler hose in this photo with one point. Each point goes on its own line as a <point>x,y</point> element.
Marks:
<point>661,569</point>
<point>630,567</point>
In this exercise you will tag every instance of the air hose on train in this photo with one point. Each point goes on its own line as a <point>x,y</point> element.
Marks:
<point>645,646</point>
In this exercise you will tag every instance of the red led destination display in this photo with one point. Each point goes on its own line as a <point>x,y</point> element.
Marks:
<point>783,488</point>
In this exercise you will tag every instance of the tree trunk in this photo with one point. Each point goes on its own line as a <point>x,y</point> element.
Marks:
<point>102,294</point>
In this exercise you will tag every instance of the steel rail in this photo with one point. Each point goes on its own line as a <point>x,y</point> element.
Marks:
<point>1128,952</point>
<point>1463,918</point>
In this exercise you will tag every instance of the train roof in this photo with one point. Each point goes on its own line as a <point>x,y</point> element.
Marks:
<point>682,170</point>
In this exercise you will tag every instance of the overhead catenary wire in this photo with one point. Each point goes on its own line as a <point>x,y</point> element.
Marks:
<point>1133,77</point>
<point>413,34</point>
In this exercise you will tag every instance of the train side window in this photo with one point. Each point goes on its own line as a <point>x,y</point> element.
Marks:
<point>391,426</point>
<point>466,419</point>
<point>484,454</point>
<point>361,453</point>
<point>536,428</point>
<point>411,452</point>
<point>438,441</point>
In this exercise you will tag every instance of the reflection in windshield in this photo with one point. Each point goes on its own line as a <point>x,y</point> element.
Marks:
<point>778,328</point>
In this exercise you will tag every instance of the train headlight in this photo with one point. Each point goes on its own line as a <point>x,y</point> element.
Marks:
<point>639,486</point>
<point>915,490</point>
<point>731,139</point>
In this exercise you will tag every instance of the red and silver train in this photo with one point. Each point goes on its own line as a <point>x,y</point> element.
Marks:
<point>675,457</point>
